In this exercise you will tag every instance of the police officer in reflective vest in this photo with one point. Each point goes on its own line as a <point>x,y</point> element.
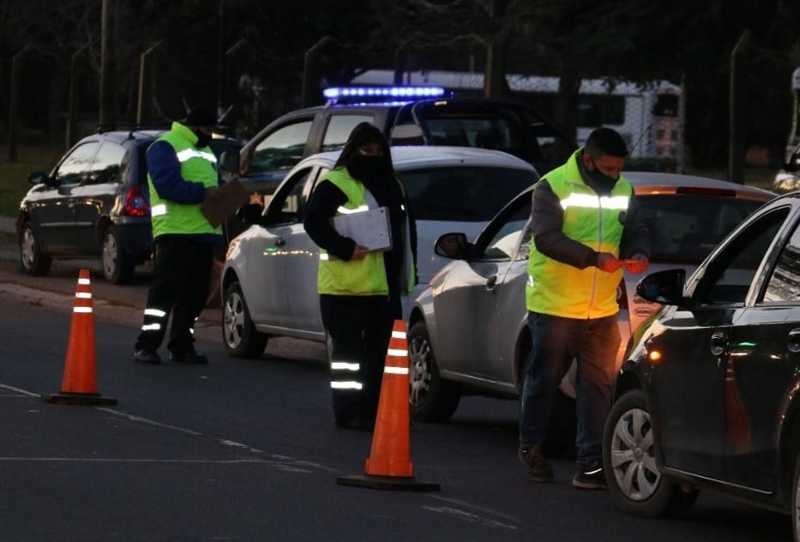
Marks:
<point>580,229</point>
<point>360,291</point>
<point>182,171</point>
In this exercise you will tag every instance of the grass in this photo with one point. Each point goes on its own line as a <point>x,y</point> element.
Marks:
<point>14,175</point>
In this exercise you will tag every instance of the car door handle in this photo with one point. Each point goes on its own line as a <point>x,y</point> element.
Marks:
<point>280,242</point>
<point>793,341</point>
<point>719,341</point>
<point>491,282</point>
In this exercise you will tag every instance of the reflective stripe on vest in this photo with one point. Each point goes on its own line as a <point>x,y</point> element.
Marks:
<point>198,165</point>
<point>562,290</point>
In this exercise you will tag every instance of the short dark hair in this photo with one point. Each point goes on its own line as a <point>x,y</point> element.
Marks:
<point>605,141</point>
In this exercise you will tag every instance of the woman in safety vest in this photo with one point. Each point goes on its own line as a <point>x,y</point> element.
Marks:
<point>360,290</point>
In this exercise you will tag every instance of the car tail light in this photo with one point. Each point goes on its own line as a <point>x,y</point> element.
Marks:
<point>136,203</point>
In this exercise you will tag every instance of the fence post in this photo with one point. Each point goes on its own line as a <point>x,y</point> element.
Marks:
<point>735,112</point>
<point>311,71</point>
<point>13,103</point>
<point>142,74</point>
<point>72,103</point>
<point>107,94</point>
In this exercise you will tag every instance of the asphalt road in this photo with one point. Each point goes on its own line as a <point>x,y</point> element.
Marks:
<point>247,450</point>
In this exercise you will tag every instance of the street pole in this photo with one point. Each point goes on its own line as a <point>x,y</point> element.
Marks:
<point>143,65</point>
<point>221,59</point>
<point>311,72</point>
<point>107,101</point>
<point>737,98</point>
<point>13,103</point>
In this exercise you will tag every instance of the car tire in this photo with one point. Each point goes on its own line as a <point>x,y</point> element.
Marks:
<point>32,258</point>
<point>796,500</point>
<point>433,399</point>
<point>635,483</point>
<point>118,265</point>
<point>239,334</point>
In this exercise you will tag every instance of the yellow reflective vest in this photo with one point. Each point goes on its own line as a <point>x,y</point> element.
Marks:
<point>199,165</point>
<point>366,276</point>
<point>559,289</point>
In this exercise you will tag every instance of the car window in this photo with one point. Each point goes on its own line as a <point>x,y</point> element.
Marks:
<point>339,128</point>
<point>684,228</point>
<point>728,276</point>
<point>287,205</point>
<point>107,163</point>
<point>784,283</point>
<point>506,232</point>
<point>77,164</point>
<point>463,193</point>
<point>282,149</point>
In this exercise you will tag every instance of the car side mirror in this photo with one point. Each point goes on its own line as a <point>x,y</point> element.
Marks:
<point>229,161</point>
<point>452,245</point>
<point>40,177</point>
<point>250,213</point>
<point>665,287</point>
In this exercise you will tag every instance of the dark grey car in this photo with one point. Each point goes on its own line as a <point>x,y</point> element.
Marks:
<point>93,202</point>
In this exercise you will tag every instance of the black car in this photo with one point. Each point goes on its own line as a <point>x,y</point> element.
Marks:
<point>408,116</point>
<point>94,202</point>
<point>708,397</point>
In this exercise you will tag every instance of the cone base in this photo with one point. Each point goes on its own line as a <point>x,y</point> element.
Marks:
<point>387,483</point>
<point>90,399</point>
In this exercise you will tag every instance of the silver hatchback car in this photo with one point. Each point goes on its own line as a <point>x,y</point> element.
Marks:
<point>269,281</point>
<point>467,331</point>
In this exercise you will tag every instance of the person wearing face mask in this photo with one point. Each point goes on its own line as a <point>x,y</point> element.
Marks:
<point>360,291</point>
<point>582,240</point>
<point>181,173</point>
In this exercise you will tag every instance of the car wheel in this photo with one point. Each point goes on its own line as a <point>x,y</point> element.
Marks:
<point>796,500</point>
<point>239,334</point>
<point>635,483</point>
<point>432,398</point>
<point>118,265</point>
<point>32,258</point>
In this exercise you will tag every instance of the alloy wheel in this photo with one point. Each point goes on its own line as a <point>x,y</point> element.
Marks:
<point>27,248</point>
<point>234,318</point>
<point>633,456</point>
<point>109,255</point>
<point>421,356</point>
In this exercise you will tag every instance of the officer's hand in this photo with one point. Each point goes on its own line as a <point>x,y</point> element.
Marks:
<point>637,264</point>
<point>359,252</point>
<point>608,262</point>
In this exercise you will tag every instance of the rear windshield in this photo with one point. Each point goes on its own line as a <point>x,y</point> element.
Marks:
<point>685,228</point>
<point>464,194</point>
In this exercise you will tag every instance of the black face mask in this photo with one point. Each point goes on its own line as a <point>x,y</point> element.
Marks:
<point>599,177</point>
<point>366,167</point>
<point>203,139</point>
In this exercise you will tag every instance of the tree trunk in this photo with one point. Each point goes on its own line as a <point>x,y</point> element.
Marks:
<point>569,85</point>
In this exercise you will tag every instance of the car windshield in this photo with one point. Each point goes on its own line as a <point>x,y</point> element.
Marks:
<point>685,228</point>
<point>467,193</point>
<point>485,131</point>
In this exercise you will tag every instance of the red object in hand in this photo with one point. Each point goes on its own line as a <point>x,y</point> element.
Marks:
<point>637,265</point>
<point>607,262</point>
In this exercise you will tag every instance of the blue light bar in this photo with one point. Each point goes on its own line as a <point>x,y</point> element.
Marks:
<point>337,93</point>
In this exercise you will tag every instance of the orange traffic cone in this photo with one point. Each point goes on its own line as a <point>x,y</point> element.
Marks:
<point>389,463</point>
<point>79,386</point>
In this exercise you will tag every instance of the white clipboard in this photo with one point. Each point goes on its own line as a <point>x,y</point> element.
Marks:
<point>370,229</point>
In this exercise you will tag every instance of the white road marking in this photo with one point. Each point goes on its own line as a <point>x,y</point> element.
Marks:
<point>469,517</point>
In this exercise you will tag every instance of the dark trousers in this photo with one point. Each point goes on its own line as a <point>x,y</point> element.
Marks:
<point>358,330</point>
<point>556,342</point>
<point>182,271</point>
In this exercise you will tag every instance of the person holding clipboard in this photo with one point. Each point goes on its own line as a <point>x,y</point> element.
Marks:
<point>360,288</point>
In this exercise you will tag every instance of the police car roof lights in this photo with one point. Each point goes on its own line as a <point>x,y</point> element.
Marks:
<point>345,94</point>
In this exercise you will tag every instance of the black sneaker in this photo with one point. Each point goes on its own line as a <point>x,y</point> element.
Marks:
<point>590,478</point>
<point>539,470</point>
<point>189,358</point>
<point>146,356</point>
